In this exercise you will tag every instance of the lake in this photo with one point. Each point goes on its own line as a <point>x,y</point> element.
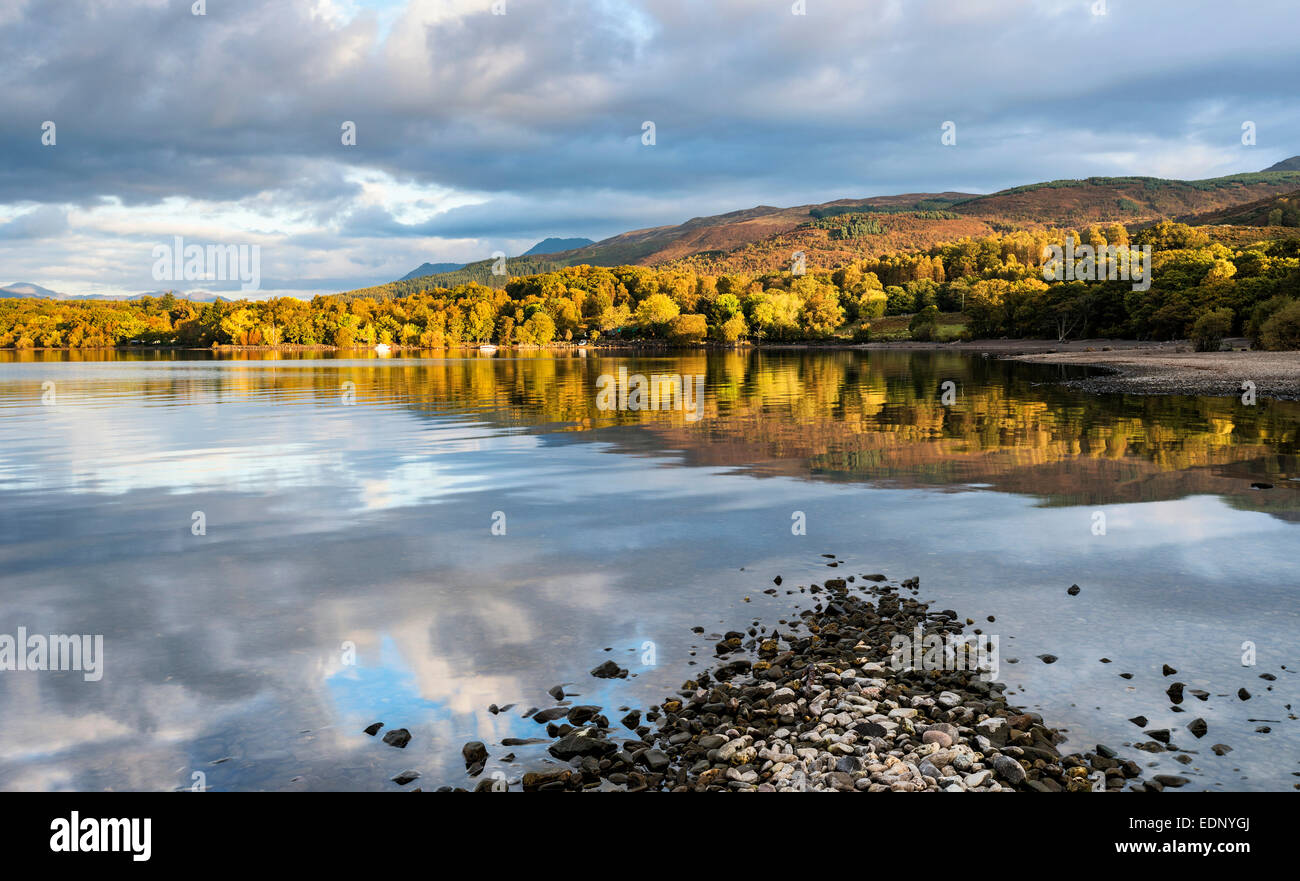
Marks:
<point>280,550</point>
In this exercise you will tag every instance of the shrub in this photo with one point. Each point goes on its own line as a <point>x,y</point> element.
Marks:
<point>924,325</point>
<point>862,332</point>
<point>1261,314</point>
<point>1282,331</point>
<point>687,328</point>
<point>1210,329</point>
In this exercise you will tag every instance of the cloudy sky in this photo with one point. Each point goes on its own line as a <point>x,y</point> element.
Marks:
<point>478,132</point>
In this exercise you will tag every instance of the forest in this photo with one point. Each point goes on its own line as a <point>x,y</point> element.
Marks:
<point>1200,289</point>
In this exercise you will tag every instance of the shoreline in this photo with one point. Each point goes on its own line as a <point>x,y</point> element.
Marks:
<point>1003,348</point>
<point>1175,369</point>
<point>1122,366</point>
<point>815,703</point>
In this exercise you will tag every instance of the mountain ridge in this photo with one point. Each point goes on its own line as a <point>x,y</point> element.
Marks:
<point>765,237</point>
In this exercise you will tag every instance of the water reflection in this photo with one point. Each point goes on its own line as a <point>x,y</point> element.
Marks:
<point>351,501</point>
<point>843,415</point>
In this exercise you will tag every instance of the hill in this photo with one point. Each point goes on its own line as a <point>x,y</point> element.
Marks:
<point>1283,210</point>
<point>759,238</point>
<point>431,269</point>
<point>830,234</point>
<point>554,246</point>
<point>27,289</point>
<point>1292,164</point>
<point>1125,199</point>
<point>550,245</point>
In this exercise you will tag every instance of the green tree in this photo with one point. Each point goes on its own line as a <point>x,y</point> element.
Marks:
<point>654,312</point>
<point>538,330</point>
<point>821,314</point>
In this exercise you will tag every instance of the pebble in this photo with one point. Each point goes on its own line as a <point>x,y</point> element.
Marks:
<point>1009,769</point>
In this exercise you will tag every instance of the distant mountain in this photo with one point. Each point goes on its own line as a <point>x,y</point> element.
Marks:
<point>555,246</point>
<point>27,289</point>
<point>197,296</point>
<point>431,269</point>
<point>1292,164</point>
<point>546,246</point>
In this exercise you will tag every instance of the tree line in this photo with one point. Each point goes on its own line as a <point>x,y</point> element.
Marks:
<point>1199,288</point>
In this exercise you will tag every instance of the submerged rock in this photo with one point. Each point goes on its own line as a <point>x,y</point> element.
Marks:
<point>398,737</point>
<point>609,670</point>
<point>581,715</point>
<point>586,742</point>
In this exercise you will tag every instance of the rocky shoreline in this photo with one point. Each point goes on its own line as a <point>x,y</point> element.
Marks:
<point>818,702</point>
<point>1174,369</point>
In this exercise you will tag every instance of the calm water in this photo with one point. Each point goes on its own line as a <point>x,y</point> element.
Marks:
<point>363,515</point>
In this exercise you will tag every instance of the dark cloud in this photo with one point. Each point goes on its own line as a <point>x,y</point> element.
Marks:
<point>538,113</point>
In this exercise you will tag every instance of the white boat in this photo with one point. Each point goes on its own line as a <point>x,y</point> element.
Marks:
<point>487,348</point>
<point>383,348</point>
